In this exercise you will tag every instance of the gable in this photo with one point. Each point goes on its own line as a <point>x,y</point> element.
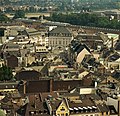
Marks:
<point>111,79</point>
<point>81,55</point>
<point>62,108</point>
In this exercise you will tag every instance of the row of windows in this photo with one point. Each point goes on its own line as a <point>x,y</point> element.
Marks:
<point>37,112</point>
<point>62,114</point>
<point>40,49</point>
<point>59,42</point>
<point>62,39</point>
<point>91,115</point>
<point>81,115</point>
<point>60,34</point>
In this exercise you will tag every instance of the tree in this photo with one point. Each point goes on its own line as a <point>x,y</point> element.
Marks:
<point>3,18</point>
<point>2,112</point>
<point>103,22</point>
<point>5,73</point>
<point>19,14</point>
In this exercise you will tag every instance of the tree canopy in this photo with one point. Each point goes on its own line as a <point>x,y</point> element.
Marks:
<point>85,19</point>
<point>5,73</point>
<point>3,18</point>
<point>19,14</point>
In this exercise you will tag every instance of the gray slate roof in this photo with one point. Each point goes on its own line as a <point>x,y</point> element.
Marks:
<point>62,30</point>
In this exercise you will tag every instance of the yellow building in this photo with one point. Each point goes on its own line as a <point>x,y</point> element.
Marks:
<point>62,109</point>
<point>57,107</point>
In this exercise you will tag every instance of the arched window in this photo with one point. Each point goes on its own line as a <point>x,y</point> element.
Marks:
<point>66,114</point>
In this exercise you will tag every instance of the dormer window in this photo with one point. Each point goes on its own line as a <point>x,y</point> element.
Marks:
<point>32,112</point>
<point>60,34</point>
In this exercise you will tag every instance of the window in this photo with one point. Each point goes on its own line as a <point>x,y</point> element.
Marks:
<point>62,114</point>
<point>96,114</point>
<point>66,42</point>
<point>59,42</point>
<point>62,109</point>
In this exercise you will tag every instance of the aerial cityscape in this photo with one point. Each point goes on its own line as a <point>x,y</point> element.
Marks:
<point>59,57</point>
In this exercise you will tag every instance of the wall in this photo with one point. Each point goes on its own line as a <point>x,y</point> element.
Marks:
<point>114,102</point>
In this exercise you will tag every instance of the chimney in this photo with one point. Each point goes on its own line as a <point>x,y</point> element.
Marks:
<point>112,43</point>
<point>24,87</point>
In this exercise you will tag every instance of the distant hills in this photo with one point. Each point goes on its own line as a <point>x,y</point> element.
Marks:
<point>65,5</point>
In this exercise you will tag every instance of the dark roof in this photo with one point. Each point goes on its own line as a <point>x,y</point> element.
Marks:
<point>22,110</point>
<point>76,46</point>
<point>113,57</point>
<point>12,61</point>
<point>11,45</point>
<point>117,45</point>
<point>60,29</point>
<point>32,31</point>
<point>91,40</point>
<point>55,104</point>
<point>89,37</point>
<point>23,32</point>
<point>27,75</point>
<point>66,85</point>
<point>84,103</point>
<point>89,60</point>
<point>14,53</point>
<point>71,94</point>
<point>16,95</point>
<point>106,53</point>
<point>38,86</point>
<point>36,104</point>
<point>6,99</point>
<point>46,94</point>
<point>87,80</point>
<point>6,103</point>
<point>50,85</point>
<point>116,74</point>
<point>112,110</point>
<point>103,107</point>
<point>89,100</point>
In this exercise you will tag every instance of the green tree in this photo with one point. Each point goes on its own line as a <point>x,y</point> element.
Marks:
<point>5,73</point>
<point>3,18</point>
<point>103,22</point>
<point>2,112</point>
<point>19,14</point>
<point>85,19</point>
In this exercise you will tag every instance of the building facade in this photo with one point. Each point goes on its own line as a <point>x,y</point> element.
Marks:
<point>59,37</point>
